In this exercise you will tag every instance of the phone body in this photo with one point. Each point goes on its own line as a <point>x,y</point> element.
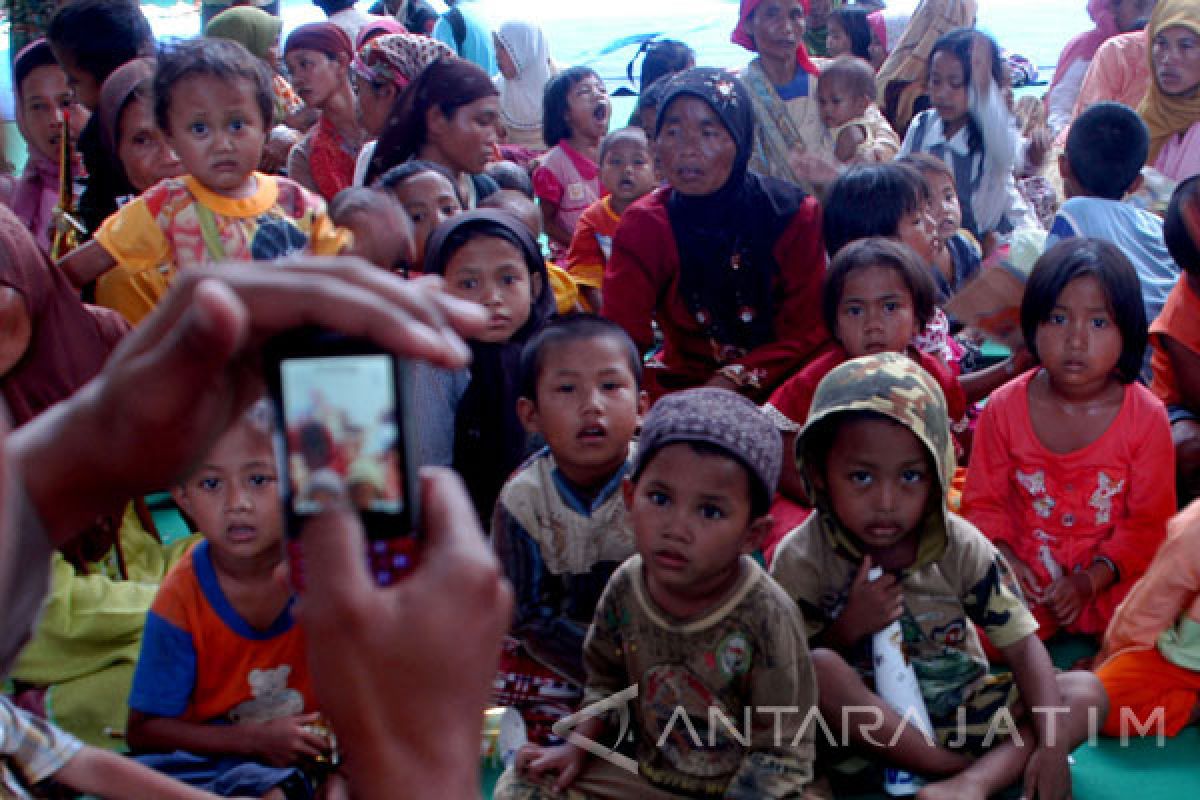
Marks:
<point>344,430</point>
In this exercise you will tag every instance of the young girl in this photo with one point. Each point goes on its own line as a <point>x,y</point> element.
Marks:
<point>568,181</point>
<point>848,34</point>
<point>488,257</point>
<point>428,194</point>
<point>318,57</point>
<point>957,257</point>
<point>523,54</point>
<point>970,128</point>
<point>1072,472</point>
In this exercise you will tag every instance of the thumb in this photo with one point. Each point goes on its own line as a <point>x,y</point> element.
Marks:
<point>864,570</point>
<point>335,576</point>
<point>449,522</point>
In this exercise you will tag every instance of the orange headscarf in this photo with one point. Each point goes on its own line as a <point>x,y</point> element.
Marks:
<point>1164,115</point>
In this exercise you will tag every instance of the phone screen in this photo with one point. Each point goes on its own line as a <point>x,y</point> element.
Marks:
<point>343,437</point>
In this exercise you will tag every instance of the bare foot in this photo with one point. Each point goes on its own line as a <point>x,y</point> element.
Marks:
<point>960,787</point>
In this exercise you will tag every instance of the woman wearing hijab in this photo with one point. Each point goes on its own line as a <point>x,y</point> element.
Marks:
<point>318,56</point>
<point>1171,108</point>
<point>782,81</point>
<point>137,146</point>
<point>448,115</point>
<point>79,664</point>
<point>728,262</point>
<point>258,32</point>
<point>484,406</point>
<point>382,70</point>
<point>523,55</point>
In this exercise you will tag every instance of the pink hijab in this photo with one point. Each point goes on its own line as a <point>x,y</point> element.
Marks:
<point>1084,46</point>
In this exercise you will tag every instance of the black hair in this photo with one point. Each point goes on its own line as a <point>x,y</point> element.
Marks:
<point>36,55</point>
<point>518,204</point>
<point>398,174</point>
<point>958,43</point>
<point>927,165</point>
<point>878,252</point>
<point>662,58</point>
<point>356,199</point>
<point>629,133</point>
<point>650,98</point>
<point>333,6</point>
<point>1106,148</point>
<point>555,127</point>
<point>1075,258</point>
<point>510,175</point>
<point>870,200</point>
<point>573,328</point>
<point>852,74</point>
<point>1184,206</point>
<point>854,22</point>
<point>223,59</point>
<point>101,35</point>
<point>436,261</point>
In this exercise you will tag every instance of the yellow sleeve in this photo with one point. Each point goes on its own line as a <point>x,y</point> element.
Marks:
<point>133,293</point>
<point>132,237</point>
<point>566,293</point>
<point>326,239</point>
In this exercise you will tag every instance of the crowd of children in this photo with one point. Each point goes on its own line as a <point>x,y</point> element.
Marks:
<point>731,418</point>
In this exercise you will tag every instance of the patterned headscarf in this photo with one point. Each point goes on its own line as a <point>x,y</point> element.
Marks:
<point>1166,116</point>
<point>398,58</point>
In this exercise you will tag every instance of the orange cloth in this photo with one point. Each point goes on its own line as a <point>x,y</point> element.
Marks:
<point>1180,320</point>
<point>1110,500</point>
<point>592,243</point>
<point>1141,682</point>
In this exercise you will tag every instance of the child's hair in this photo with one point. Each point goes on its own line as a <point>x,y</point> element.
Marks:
<point>1106,148</point>
<point>101,35</point>
<point>34,55</point>
<point>649,98</point>
<point>663,58</point>
<point>398,174</point>
<point>517,204</point>
<point>958,43</point>
<point>1181,226</point>
<point>878,252</point>
<point>510,175</point>
<point>223,59</point>
<point>927,165</point>
<point>854,22</point>
<point>574,328</point>
<point>447,84</point>
<point>355,200</point>
<point>852,74</point>
<point>555,127</point>
<point>1074,258</point>
<point>333,6</point>
<point>630,133</point>
<point>870,200</point>
<point>453,234</point>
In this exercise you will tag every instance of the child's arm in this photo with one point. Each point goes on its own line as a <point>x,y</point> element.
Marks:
<point>1048,773</point>
<point>979,385</point>
<point>848,141</point>
<point>564,760</point>
<point>550,224</point>
<point>104,774</point>
<point>871,606</point>
<point>280,742</point>
<point>86,263</point>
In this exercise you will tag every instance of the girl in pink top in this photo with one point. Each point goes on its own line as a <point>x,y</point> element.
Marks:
<point>1072,472</point>
<point>574,120</point>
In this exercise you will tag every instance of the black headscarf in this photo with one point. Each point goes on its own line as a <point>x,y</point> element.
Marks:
<point>489,440</point>
<point>726,239</point>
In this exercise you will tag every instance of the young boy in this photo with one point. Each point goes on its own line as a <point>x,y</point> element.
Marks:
<point>560,525</point>
<point>694,624</point>
<point>214,101</point>
<point>383,233</point>
<point>1106,149</point>
<point>627,172</point>
<point>1175,339</point>
<point>845,97</point>
<point>221,695</point>
<point>877,455</point>
<point>90,39</point>
<point>957,257</point>
<point>35,751</point>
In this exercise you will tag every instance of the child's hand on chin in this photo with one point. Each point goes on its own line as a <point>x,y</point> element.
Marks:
<point>565,760</point>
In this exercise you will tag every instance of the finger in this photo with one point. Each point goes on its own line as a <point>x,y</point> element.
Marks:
<point>337,583</point>
<point>864,570</point>
<point>567,776</point>
<point>307,719</point>
<point>306,748</point>
<point>317,743</point>
<point>453,539</point>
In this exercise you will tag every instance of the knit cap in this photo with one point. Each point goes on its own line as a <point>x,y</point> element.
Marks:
<point>720,418</point>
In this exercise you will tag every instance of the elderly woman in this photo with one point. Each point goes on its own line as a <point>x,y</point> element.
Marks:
<point>383,68</point>
<point>728,262</point>
<point>1171,108</point>
<point>318,57</point>
<point>128,129</point>
<point>448,115</point>
<point>783,85</point>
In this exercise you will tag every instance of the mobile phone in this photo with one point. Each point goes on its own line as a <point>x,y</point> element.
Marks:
<point>343,431</point>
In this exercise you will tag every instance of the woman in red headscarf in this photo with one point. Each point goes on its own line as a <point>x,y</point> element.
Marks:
<point>783,84</point>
